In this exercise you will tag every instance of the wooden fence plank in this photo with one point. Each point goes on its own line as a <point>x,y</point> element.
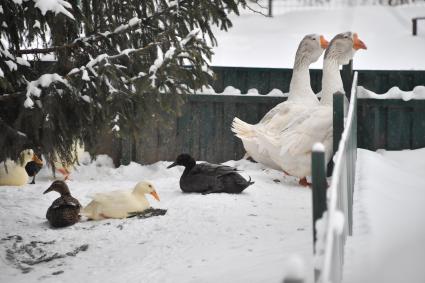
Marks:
<point>418,127</point>
<point>381,123</point>
<point>398,128</point>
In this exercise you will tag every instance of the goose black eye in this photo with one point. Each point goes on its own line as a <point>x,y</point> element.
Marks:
<point>150,186</point>
<point>314,38</point>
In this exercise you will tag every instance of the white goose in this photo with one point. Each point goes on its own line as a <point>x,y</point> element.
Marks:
<point>301,97</point>
<point>291,149</point>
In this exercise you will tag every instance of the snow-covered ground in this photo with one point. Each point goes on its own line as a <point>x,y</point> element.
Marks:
<point>389,216</point>
<point>258,41</point>
<point>202,238</point>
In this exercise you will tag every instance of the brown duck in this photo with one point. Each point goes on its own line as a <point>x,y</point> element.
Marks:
<point>65,210</point>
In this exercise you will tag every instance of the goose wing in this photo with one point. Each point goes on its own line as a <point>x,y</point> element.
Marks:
<point>315,127</point>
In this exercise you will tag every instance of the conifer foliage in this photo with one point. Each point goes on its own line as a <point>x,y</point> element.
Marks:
<point>115,63</point>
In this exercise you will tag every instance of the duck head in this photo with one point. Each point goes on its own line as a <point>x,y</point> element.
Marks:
<point>26,156</point>
<point>37,159</point>
<point>185,160</point>
<point>343,46</point>
<point>146,187</point>
<point>58,186</point>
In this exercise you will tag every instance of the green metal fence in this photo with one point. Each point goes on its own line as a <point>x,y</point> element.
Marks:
<point>337,200</point>
<point>392,124</point>
<point>204,128</point>
<point>265,79</point>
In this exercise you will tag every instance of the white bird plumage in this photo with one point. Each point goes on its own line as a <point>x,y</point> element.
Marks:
<point>291,148</point>
<point>301,97</point>
<point>14,174</point>
<point>119,204</point>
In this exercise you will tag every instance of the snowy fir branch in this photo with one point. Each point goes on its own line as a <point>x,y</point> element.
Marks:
<point>111,59</point>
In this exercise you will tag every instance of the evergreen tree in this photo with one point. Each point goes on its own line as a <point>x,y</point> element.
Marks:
<point>116,63</point>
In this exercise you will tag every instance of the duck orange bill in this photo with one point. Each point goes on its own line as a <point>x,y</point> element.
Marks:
<point>357,43</point>
<point>155,195</point>
<point>323,42</point>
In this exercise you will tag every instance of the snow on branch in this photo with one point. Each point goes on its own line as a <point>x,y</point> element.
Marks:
<point>99,36</point>
<point>191,35</point>
<point>56,6</point>
<point>92,63</point>
<point>161,58</point>
<point>43,81</point>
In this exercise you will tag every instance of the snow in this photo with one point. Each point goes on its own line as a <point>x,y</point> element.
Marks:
<point>277,92</point>
<point>37,24</point>
<point>22,61</point>
<point>191,35</point>
<point>84,77</point>
<point>418,93</point>
<point>56,6</point>
<point>230,90</point>
<point>202,238</point>
<point>388,232</point>
<point>252,91</point>
<point>44,80</point>
<point>170,53</point>
<point>319,147</point>
<point>12,65</point>
<point>320,245</point>
<point>295,268</point>
<point>86,98</point>
<point>158,61</point>
<point>258,41</point>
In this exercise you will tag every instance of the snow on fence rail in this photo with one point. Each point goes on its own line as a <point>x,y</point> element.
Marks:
<point>336,222</point>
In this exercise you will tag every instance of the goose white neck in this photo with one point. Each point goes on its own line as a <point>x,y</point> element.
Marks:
<point>300,88</point>
<point>331,81</point>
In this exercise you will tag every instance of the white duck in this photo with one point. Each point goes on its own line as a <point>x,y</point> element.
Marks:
<point>291,149</point>
<point>14,174</point>
<point>301,97</point>
<point>118,204</point>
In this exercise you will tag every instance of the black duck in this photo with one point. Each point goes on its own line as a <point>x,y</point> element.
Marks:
<point>33,167</point>
<point>208,178</point>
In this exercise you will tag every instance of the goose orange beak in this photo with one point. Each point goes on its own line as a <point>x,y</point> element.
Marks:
<point>155,195</point>
<point>357,43</point>
<point>323,42</point>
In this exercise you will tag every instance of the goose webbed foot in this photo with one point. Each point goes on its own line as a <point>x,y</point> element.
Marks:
<point>303,182</point>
